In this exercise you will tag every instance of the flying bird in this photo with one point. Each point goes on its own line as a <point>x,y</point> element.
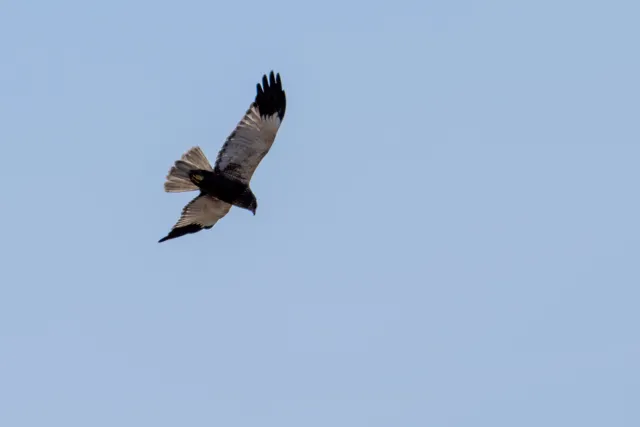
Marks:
<point>227,183</point>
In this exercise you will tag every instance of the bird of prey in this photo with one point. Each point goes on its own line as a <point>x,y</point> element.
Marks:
<point>227,184</point>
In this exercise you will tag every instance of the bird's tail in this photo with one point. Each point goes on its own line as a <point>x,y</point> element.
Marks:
<point>178,176</point>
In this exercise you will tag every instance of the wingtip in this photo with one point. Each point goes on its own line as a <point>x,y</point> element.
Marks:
<point>270,79</point>
<point>270,97</point>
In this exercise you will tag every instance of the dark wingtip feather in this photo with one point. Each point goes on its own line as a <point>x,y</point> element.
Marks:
<point>181,231</point>
<point>270,98</point>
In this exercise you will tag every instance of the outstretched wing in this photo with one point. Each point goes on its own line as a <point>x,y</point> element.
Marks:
<point>200,213</point>
<point>253,136</point>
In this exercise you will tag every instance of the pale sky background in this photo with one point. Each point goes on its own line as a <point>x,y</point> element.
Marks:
<point>448,231</point>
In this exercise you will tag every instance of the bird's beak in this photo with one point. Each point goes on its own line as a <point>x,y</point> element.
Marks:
<point>254,212</point>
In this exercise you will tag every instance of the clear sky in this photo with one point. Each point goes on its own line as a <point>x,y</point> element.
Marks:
<point>448,231</point>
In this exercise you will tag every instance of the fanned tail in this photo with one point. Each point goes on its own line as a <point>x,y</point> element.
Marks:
<point>178,176</point>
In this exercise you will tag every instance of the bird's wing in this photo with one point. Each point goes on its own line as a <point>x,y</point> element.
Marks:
<point>253,136</point>
<point>200,213</point>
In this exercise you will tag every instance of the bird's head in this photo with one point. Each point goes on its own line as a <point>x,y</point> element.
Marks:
<point>247,201</point>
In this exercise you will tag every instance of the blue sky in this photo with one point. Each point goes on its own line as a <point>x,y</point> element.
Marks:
<point>447,235</point>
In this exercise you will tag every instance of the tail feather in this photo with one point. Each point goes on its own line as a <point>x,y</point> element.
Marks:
<point>178,176</point>
<point>196,157</point>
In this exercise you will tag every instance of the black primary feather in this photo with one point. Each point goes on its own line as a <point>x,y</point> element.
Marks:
<point>181,231</point>
<point>270,98</point>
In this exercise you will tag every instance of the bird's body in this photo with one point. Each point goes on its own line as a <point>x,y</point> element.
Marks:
<point>227,184</point>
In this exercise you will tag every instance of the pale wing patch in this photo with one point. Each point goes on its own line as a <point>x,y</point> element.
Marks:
<point>204,210</point>
<point>247,145</point>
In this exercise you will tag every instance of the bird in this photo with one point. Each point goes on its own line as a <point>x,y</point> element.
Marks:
<point>226,184</point>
